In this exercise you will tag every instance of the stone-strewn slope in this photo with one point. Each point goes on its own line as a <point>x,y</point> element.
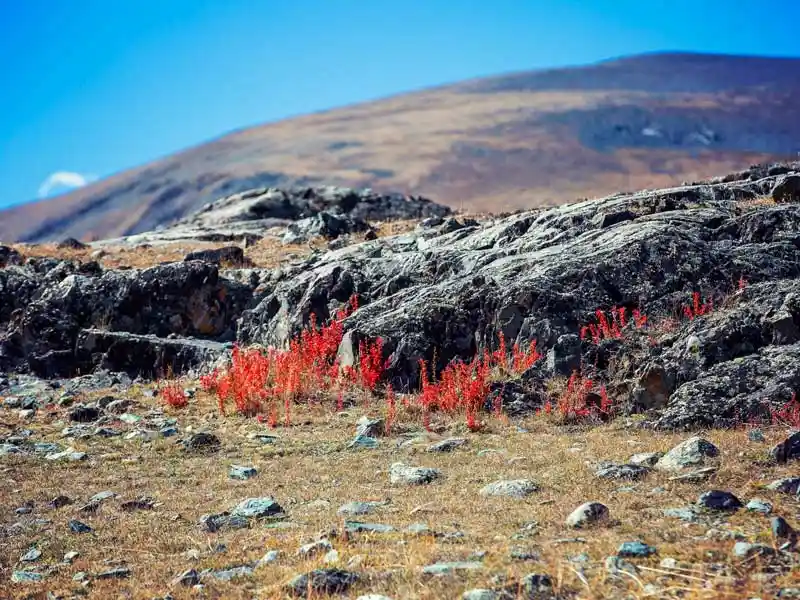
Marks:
<point>450,287</point>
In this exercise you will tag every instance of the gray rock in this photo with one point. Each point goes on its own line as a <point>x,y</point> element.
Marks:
<point>447,445</point>
<point>787,189</point>
<point>322,581</point>
<point>759,506</point>
<point>359,508</point>
<point>785,485</point>
<point>202,442</point>
<point>747,550</point>
<point>314,548</point>
<point>481,594</point>
<point>358,527</point>
<point>787,449</point>
<point>240,472</point>
<point>228,574</point>
<point>117,573</point>
<point>270,557</point>
<point>27,577</point>
<point>756,435</point>
<point>781,529</point>
<point>587,514</point>
<point>400,474</point>
<point>690,453</point>
<point>617,471</point>
<point>645,459</point>
<point>188,578</point>
<point>514,488</point>
<point>719,500</point>
<point>79,527</point>
<point>635,549</point>
<point>449,568</point>
<point>31,555</point>
<point>370,427</point>
<point>258,508</point>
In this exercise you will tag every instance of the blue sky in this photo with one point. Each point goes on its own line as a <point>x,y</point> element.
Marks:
<point>92,87</point>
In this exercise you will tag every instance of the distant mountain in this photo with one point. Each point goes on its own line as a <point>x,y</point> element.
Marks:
<point>492,144</point>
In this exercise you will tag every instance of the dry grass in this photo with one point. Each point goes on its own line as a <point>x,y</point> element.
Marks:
<point>267,253</point>
<point>311,473</point>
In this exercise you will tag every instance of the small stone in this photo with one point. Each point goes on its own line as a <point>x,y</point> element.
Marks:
<point>82,413</point>
<point>363,441</point>
<point>785,485</point>
<point>269,558</point>
<point>589,513</point>
<point>240,472</point>
<point>321,581</point>
<point>407,475</point>
<point>202,442</point>
<point>69,454</point>
<point>314,548</point>
<point>118,573</point>
<point>79,527</point>
<point>616,565</point>
<point>695,475</point>
<point>448,568</point>
<point>69,557</point>
<point>370,427</point>
<point>59,502</point>
<point>31,555</point>
<point>26,414</point>
<point>447,445</point>
<point>258,508</point>
<point>781,529</point>
<point>128,418</point>
<point>759,506</point>
<point>358,527</point>
<point>747,550</point>
<point>635,549</point>
<point>615,471</point>
<point>645,459</point>
<point>690,453</point>
<point>787,449</point>
<point>9,449</point>
<point>188,578</point>
<point>537,585</point>
<point>359,508</point>
<point>142,503</point>
<point>331,557</point>
<point>756,435</point>
<point>512,488</point>
<point>481,594</point>
<point>719,500</point>
<point>26,577</point>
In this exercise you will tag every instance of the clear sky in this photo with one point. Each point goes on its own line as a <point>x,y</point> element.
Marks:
<point>91,87</point>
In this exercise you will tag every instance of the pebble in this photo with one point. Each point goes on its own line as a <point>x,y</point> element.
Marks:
<point>359,508</point>
<point>269,558</point>
<point>322,581</point>
<point>617,471</point>
<point>258,508</point>
<point>408,475</point>
<point>719,500</point>
<point>31,555</point>
<point>446,568</point>
<point>635,549</point>
<point>785,485</point>
<point>747,550</point>
<point>447,445</point>
<point>690,453</point>
<point>241,472</point>
<point>314,548</point>
<point>512,488</point>
<point>589,513</point>
<point>760,506</point>
<point>79,527</point>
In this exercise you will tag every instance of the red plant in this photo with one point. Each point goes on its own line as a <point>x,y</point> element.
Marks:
<point>173,394</point>
<point>370,363</point>
<point>611,329</point>
<point>697,308</point>
<point>788,414</point>
<point>573,403</point>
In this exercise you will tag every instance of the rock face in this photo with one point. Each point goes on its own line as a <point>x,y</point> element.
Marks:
<point>328,211</point>
<point>450,287</point>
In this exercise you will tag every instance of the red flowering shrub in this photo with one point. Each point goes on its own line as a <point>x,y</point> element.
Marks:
<point>173,394</point>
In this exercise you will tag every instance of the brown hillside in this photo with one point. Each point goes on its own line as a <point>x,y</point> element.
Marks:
<point>492,144</point>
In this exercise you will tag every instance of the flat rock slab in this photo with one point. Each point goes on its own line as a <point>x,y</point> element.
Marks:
<point>400,474</point>
<point>512,488</point>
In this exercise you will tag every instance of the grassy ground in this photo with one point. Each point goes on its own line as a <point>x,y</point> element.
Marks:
<point>310,471</point>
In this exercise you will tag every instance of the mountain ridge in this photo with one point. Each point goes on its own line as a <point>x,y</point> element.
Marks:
<point>503,142</point>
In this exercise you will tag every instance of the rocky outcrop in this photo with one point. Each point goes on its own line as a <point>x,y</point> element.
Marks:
<point>447,289</point>
<point>328,211</point>
<point>542,275</point>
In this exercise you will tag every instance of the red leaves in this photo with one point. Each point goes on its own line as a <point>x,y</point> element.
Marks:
<point>574,402</point>
<point>173,394</point>
<point>788,414</point>
<point>613,329</point>
<point>370,363</point>
<point>697,308</point>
